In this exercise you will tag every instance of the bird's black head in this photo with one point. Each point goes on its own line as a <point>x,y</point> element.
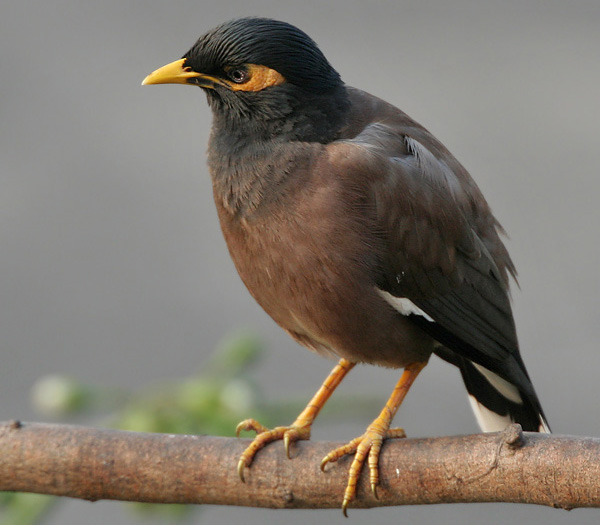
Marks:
<point>265,77</point>
<point>263,42</point>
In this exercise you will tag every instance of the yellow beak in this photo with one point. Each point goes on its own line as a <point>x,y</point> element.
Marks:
<point>176,73</point>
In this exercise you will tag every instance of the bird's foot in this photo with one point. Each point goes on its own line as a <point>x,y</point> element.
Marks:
<point>264,436</point>
<point>366,446</point>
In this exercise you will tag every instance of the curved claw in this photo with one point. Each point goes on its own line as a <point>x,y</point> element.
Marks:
<point>239,428</point>
<point>240,468</point>
<point>286,444</point>
<point>374,489</point>
<point>324,462</point>
<point>345,507</point>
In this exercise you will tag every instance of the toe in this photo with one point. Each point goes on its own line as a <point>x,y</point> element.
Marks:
<point>252,425</point>
<point>365,448</point>
<point>340,452</point>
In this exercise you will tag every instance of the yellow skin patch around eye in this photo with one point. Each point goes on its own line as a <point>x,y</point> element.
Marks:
<point>259,78</point>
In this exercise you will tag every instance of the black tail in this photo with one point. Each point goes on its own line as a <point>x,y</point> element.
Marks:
<point>496,401</point>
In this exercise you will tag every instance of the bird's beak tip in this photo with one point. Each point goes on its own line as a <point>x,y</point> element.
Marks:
<point>173,73</point>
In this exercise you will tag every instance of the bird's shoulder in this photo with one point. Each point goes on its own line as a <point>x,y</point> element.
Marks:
<point>387,146</point>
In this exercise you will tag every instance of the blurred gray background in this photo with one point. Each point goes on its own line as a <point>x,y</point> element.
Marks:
<point>112,265</point>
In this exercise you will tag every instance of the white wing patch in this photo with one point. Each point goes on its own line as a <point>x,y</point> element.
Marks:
<point>403,305</point>
<point>508,390</point>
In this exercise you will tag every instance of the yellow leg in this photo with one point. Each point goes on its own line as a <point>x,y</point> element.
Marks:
<point>369,444</point>
<point>299,429</point>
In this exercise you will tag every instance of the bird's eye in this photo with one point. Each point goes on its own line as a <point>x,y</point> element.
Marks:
<point>238,75</point>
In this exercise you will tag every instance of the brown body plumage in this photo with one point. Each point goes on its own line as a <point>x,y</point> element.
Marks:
<point>291,242</point>
<point>354,228</point>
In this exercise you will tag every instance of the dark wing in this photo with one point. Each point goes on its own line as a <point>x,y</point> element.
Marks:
<point>444,255</point>
<point>436,256</point>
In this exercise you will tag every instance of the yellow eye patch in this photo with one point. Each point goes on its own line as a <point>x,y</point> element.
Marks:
<point>258,78</point>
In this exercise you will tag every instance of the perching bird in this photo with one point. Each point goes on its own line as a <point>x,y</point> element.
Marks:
<point>355,229</point>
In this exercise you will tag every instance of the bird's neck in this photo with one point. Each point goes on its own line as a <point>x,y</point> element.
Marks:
<point>248,178</point>
<point>252,155</point>
<point>287,114</point>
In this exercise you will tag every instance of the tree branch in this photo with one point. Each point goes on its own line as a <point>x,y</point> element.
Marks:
<point>93,464</point>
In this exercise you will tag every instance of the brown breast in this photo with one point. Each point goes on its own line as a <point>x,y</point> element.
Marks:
<point>310,259</point>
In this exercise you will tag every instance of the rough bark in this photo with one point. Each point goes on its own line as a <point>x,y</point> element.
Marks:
<point>93,464</point>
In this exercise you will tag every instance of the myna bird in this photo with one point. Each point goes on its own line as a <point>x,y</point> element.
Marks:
<point>355,229</point>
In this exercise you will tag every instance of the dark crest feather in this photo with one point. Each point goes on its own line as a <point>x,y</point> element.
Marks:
<point>266,42</point>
